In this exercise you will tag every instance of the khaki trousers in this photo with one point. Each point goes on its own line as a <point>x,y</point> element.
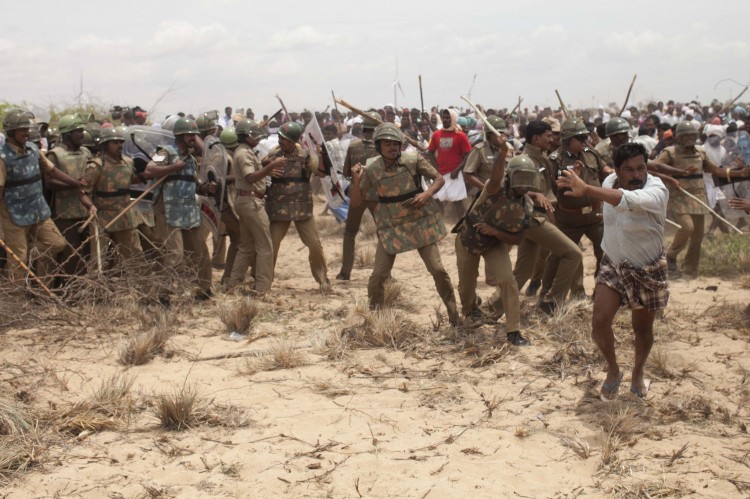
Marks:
<point>498,272</point>
<point>541,235</point>
<point>183,243</point>
<point>45,238</point>
<point>255,247</point>
<point>308,234</point>
<point>73,262</point>
<point>430,255</point>
<point>231,225</point>
<point>127,244</point>
<point>353,221</point>
<point>594,232</point>
<point>690,235</point>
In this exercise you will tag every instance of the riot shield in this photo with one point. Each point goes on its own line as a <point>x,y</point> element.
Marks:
<point>141,143</point>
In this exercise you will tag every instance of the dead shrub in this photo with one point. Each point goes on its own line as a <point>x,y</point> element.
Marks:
<point>113,395</point>
<point>82,417</point>
<point>17,454</point>
<point>239,315</point>
<point>691,408</point>
<point>730,316</point>
<point>382,328</point>
<point>281,355</point>
<point>140,348</point>
<point>177,409</point>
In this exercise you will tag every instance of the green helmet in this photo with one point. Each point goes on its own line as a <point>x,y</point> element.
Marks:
<point>16,119</point>
<point>371,119</point>
<point>95,129</point>
<point>522,172</point>
<point>685,128</point>
<point>34,134</point>
<point>112,134</point>
<point>498,124</point>
<point>205,123</point>
<point>70,123</point>
<point>615,126</point>
<point>573,127</point>
<point>88,139</point>
<point>185,126</point>
<point>228,137</point>
<point>291,131</point>
<point>388,131</point>
<point>249,127</point>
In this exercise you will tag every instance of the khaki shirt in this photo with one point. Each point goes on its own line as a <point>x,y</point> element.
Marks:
<point>480,161</point>
<point>246,162</point>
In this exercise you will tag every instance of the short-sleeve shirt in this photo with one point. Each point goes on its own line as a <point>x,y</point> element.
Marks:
<point>246,162</point>
<point>450,148</point>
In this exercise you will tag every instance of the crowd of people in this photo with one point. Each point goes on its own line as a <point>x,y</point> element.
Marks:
<point>538,179</point>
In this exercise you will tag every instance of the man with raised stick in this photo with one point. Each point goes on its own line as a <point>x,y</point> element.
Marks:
<point>633,270</point>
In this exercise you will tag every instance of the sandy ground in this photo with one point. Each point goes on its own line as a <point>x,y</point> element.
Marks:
<point>447,415</point>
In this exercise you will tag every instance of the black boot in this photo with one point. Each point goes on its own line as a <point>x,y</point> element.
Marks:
<point>532,288</point>
<point>515,338</point>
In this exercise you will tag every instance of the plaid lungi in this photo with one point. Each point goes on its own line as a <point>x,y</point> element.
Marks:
<point>644,287</point>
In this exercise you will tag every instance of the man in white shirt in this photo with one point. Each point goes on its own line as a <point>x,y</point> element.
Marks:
<point>633,270</point>
<point>226,121</point>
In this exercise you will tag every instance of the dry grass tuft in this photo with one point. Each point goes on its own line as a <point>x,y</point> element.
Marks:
<point>283,354</point>
<point>610,445</point>
<point>577,445</point>
<point>82,417</point>
<point>486,355</point>
<point>365,257</point>
<point>691,408</point>
<point>662,365</point>
<point>521,432</point>
<point>177,409</point>
<point>140,348</point>
<point>113,395</point>
<point>14,420</point>
<point>623,422</point>
<point>330,389</point>
<point>392,293</point>
<point>730,316</point>
<point>382,328</point>
<point>368,229</point>
<point>239,315</point>
<point>17,454</point>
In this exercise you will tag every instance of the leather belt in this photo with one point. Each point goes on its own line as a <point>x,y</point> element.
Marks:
<point>692,177</point>
<point>242,192</point>
<point>584,210</point>
<point>17,183</point>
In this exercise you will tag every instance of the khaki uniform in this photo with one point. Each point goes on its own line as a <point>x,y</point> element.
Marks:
<point>576,217</point>
<point>68,212</point>
<point>26,217</point>
<point>110,192</point>
<point>289,199</point>
<point>402,227</point>
<point>687,212</point>
<point>359,151</point>
<point>605,151</point>
<point>177,216</point>
<point>503,212</point>
<point>255,247</point>
<point>542,234</point>
<point>231,224</point>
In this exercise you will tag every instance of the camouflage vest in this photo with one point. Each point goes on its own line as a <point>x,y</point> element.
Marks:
<point>681,159</point>
<point>67,201</point>
<point>23,192</point>
<point>501,212</point>
<point>402,228</point>
<point>590,207</point>
<point>360,151</point>
<point>112,192</point>
<point>289,198</point>
<point>178,194</point>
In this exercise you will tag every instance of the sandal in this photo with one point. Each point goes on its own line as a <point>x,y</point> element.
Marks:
<point>610,391</point>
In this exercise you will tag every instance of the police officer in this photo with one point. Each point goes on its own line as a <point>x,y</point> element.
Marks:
<point>688,213</point>
<point>577,216</point>
<point>496,220</point>
<point>256,248</point>
<point>24,214</point>
<point>110,177</point>
<point>289,198</point>
<point>407,217</point>
<point>481,159</point>
<point>617,131</point>
<point>358,153</point>
<point>541,232</point>
<point>176,210</point>
<point>69,214</point>
<point>229,220</point>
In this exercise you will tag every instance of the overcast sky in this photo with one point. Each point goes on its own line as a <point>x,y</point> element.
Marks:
<point>208,54</point>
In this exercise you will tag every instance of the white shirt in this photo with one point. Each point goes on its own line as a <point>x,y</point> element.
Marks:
<point>634,229</point>
<point>226,122</point>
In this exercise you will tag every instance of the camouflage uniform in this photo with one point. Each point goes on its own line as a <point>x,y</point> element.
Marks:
<point>402,228</point>
<point>289,199</point>
<point>24,214</point>
<point>542,234</point>
<point>359,152</point>
<point>686,211</point>
<point>110,180</point>
<point>69,213</point>
<point>577,216</point>
<point>505,212</point>
<point>256,248</point>
<point>176,212</point>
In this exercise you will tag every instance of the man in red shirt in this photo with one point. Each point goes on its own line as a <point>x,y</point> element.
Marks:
<point>448,148</point>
